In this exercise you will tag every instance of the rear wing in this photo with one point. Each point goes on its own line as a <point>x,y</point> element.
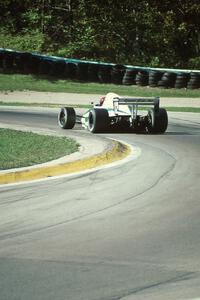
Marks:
<point>135,102</point>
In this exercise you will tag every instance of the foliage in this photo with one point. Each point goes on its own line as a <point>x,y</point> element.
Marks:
<point>148,32</point>
<point>26,41</point>
<point>194,63</point>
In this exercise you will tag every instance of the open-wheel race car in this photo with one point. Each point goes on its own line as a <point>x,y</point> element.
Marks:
<point>118,113</point>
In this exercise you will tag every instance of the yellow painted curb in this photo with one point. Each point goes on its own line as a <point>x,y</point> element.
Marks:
<point>118,152</point>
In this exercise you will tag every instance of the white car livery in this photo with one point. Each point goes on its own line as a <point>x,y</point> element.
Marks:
<point>118,113</point>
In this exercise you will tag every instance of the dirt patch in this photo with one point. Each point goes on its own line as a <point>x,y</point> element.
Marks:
<point>73,98</point>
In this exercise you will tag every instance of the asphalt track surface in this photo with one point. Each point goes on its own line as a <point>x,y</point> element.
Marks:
<point>127,232</point>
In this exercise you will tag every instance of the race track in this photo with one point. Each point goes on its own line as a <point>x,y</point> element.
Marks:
<point>127,232</point>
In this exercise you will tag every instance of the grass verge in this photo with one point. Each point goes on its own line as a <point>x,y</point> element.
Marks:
<point>183,109</point>
<point>51,105</point>
<point>19,82</point>
<point>22,149</point>
<point>169,108</point>
<point>178,109</point>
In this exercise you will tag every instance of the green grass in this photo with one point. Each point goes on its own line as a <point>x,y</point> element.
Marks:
<point>18,82</point>
<point>21,149</point>
<point>51,105</point>
<point>169,108</point>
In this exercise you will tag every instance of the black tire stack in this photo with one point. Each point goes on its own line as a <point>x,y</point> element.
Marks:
<point>82,71</point>
<point>1,59</point>
<point>194,81</point>
<point>117,74</point>
<point>181,80</point>
<point>168,80</point>
<point>18,65</point>
<point>31,63</point>
<point>20,62</point>
<point>8,61</point>
<point>129,77</point>
<point>93,70</point>
<point>154,77</point>
<point>142,78</point>
<point>104,73</point>
<point>71,70</point>
<point>58,68</point>
<point>45,67</point>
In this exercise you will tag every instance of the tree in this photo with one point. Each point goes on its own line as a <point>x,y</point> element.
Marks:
<point>148,32</point>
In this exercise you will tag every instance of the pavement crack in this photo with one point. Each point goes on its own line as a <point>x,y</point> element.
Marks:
<point>137,290</point>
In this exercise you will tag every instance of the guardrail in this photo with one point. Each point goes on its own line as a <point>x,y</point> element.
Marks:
<point>92,71</point>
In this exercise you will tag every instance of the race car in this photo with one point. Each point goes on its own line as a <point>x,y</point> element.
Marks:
<point>118,113</point>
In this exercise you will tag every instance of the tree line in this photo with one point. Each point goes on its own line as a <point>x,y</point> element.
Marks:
<point>147,32</point>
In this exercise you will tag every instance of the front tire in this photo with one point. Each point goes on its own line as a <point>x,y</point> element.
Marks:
<point>67,117</point>
<point>157,121</point>
<point>98,120</point>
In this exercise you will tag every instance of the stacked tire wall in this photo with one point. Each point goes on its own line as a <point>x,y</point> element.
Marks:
<point>88,71</point>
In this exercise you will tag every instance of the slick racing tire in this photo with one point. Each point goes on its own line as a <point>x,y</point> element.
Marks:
<point>98,120</point>
<point>157,121</point>
<point>67,118</point>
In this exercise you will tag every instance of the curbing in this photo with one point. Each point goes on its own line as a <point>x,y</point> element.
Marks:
<point>117,152</point>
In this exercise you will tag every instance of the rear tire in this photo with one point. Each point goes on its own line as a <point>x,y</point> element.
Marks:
<point>157,121</point>
<point>67,118</point>
<point>98,120</point>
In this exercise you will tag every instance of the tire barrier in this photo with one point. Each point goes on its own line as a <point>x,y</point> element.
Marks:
<point>58,69</point>
<point>142,78</point>
<point>93,70</point>
<point>194,82</point>
<point>86,71</point>
<point>19,62</point>
<point>104,74</point>
<point>117,74</point>
<point>1,59</point>
<point>154,78</point>
<point>31,63</point>
<point>181,80</point>
<point>129,77</point>
<point>8,61</point>
<point>71,70</point>
<point>82,72</point>
<point>167,80</point>
<point>45,67</point>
